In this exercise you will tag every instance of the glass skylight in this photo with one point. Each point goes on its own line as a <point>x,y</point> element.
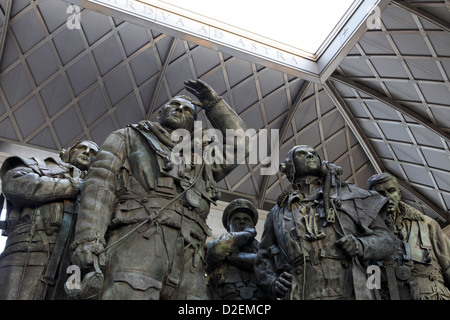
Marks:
<point>298,26</point>
<point>305,38</point>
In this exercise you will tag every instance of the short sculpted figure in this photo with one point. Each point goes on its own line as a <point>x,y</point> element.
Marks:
<point>143,215</point>
<point>319,233</point>
<point>419,268</point>
<point>42,202</point>
<point>231,256</point>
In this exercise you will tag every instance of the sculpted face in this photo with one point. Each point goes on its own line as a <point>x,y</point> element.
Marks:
<point>306,161</point>
<point>239,221</point>
<point>390,190</point>
<point>179,113</point>
<point>82,155</point>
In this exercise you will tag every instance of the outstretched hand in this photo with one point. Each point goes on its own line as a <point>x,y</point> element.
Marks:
<point>252,232</point>
<point>204,93</point>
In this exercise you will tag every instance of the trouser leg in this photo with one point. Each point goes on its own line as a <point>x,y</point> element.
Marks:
<point>135,266</point>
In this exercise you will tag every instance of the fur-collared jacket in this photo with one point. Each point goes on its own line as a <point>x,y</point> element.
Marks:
<point>422,253</point>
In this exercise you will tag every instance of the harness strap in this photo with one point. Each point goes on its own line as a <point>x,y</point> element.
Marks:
<point>173,279</point>
<point>424,238</point>
<point>416,255</point>
<point>420,250</point>
<point>49,277</point>
<point>154,214</point>
<point>392,282</point>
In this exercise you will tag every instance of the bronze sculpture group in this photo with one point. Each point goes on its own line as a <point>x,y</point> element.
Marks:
<point>134,221</point>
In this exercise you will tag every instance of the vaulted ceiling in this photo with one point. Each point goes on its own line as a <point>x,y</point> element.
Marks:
<point>384,107</point>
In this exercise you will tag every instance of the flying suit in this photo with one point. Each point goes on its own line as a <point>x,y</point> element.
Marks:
<point>300,238</point>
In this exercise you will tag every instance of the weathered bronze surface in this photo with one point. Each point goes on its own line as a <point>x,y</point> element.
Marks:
<point>419,268</point>
<point>231,256</point>
<point>142,215</point>
<point>141,228</point>
<point>320,233</point>
<point>42,202</point>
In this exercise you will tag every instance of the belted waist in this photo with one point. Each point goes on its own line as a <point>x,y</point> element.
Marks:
<point>24,238</point>
<point>186,220</point>
<point>137,210</point>
<point>22,231</point>
<point>299,260</point>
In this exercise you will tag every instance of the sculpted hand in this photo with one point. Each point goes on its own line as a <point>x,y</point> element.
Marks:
<point>282,284</point>
<point>83,256</point>
<point>351,245</point>
<point>204,93</point>
<point>252,231</point>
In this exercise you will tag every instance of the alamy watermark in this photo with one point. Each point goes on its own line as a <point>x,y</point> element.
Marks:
<point>190,148</point>
<point>74,280</point>
<point>73,22</point>
<point>374,277</point>
<point>374,20</point>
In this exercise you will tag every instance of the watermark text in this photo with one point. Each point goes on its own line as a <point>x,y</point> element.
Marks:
<point>73,22</point>
<point>373,280</point>
<point>208,146</point>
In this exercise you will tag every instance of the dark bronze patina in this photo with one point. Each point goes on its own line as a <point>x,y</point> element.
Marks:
<point>231,256</point>
<point>320,233</point>
<point>142,215</point>
<point>42,203</point>
<point>419,268</point>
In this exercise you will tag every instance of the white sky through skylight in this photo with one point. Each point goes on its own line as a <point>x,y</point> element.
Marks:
<point>300,24</point>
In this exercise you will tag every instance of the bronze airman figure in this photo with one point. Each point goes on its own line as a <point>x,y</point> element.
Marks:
<point>231,256</point>
<point>419,268</point>
<point>319,234</point>
<point>143,215</point>
<point>42,203</point>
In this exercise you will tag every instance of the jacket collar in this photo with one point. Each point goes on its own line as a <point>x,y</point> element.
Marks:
<point>306,190</point>
<point>407,212</point>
